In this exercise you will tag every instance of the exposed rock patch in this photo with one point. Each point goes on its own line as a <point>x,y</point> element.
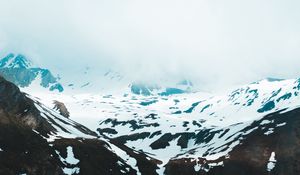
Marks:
<point>61,108</point>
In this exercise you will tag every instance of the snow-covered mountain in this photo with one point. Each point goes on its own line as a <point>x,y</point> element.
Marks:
<point>27,75</point>
<point>155,129</point>
<point>35,139</point>
<point>196,127</point>
<point>21,71</point>
<point>184,86</point>
<point>94,80</point>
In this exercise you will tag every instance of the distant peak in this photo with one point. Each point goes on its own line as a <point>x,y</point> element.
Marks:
<point>185,82</point>
<point>15,61</point>
<point>270,79</point>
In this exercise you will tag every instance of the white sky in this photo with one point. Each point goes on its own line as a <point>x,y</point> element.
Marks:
<point>215,42</point>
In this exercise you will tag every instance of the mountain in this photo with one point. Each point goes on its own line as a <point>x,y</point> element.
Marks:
<point>266,146</point>
<point>23,72</point>
<point>18,69</point>
<point>150,129</point>
<point>204,129</point>
<point>184,86</point>
<point>36,140</point>
<point>200,133</point>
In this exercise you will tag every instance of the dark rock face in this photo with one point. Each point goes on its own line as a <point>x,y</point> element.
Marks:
<point>24,151</point>
<point>17,70</point>
<point>15,106</point>
<point>252,155</point>
<point>24,147</point>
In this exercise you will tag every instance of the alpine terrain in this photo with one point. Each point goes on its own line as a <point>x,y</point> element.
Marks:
<point>59,125</point>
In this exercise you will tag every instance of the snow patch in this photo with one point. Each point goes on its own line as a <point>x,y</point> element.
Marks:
<point>272,162</point>
<point>269,132</point>
<point>69,160</point>
<point>281,124</point>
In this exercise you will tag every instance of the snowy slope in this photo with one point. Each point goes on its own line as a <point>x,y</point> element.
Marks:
<point>165,122</point>
<point>186,125</point>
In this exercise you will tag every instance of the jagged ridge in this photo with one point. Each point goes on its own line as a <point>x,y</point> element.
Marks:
<point>18,69</point>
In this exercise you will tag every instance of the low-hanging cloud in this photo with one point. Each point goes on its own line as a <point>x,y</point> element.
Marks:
<point>217,43</point>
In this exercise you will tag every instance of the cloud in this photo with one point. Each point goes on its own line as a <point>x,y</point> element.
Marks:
<point>217,43</point>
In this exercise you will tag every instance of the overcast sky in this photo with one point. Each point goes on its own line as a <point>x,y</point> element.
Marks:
<point>216,42</point>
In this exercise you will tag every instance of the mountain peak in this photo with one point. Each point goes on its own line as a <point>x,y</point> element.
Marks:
<point>19,70</point>
<point>15,61</point>
<point>272,79</point>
